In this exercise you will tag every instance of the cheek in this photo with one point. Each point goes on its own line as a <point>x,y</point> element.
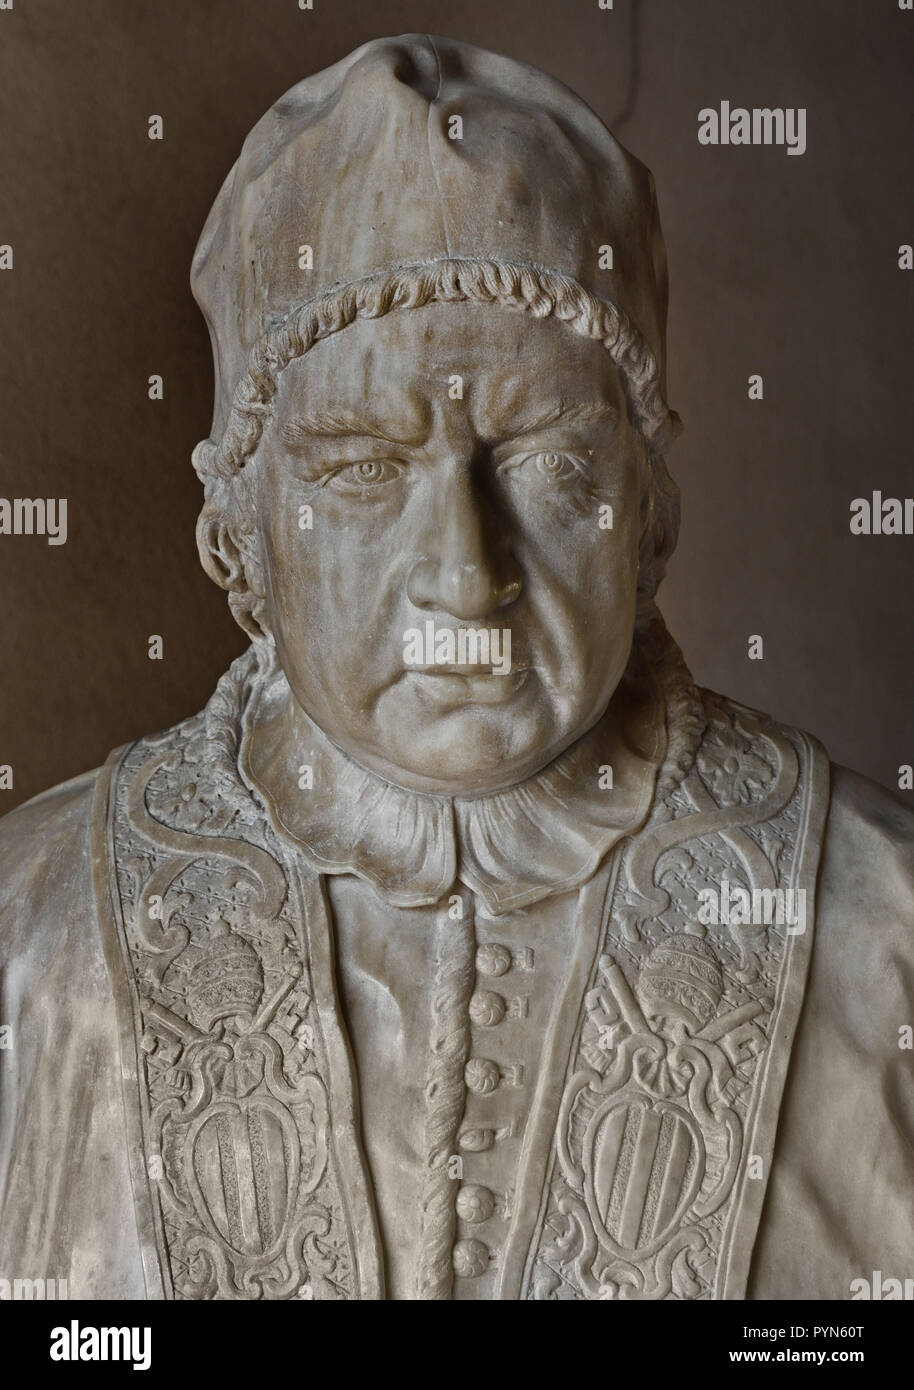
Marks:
<point>588,556</point>
<point>290,559</point>
<point>353,557</point>
<point>328,593</point>
<point>288,554</point>
<point>614,544</point>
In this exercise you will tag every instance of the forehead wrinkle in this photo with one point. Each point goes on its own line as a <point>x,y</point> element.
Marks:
<point>342,422</point>
<point>518,415</point>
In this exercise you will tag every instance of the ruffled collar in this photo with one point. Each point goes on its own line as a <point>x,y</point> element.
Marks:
<point>512,848</point>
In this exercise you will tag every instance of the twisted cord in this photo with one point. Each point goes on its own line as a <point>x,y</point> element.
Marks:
<point>445,1096</point>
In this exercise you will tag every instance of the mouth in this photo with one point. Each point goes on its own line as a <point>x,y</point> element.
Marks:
<point>466,685</point>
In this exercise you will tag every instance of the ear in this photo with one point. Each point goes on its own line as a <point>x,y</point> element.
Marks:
<point>231,564</point>
<point>220,554</point>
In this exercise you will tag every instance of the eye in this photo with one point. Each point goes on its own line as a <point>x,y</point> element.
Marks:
<point>364,475</point>
<point>548,464</point>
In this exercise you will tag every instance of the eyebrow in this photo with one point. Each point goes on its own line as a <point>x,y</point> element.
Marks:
<point>353,424</point>
<point>340,424</point>
<point>582,413</point>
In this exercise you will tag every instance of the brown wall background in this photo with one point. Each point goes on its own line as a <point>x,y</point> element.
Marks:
<point>781,265</point>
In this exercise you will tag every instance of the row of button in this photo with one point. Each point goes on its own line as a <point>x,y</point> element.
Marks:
<point>476,1203</point>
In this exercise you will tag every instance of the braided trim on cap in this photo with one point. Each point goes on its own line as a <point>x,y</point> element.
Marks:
<point>531,289</point>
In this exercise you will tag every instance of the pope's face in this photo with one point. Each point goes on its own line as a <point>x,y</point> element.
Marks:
<point>452,601</point>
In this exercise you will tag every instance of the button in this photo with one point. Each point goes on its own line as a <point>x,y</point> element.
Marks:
<point>487,1008</point>
<point>471,1258</point>
<point>475,1203</point>
<point>493,959</point>
<point>481,1075</point>
<point>476,1141</point>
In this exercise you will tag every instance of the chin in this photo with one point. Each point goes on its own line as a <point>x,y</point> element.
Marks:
<point>470,751</point>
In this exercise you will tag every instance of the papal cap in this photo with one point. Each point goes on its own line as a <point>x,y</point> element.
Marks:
<point>358,162</point>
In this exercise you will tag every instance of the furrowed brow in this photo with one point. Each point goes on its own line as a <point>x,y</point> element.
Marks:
<point>586,412</point>
<point>340,424</point>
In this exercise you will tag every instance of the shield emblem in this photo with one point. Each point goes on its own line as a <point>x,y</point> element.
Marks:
<point>243,1169</point>
<point>644,1161</point>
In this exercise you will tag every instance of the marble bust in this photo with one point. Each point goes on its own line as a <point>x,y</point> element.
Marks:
<point>461,948</point>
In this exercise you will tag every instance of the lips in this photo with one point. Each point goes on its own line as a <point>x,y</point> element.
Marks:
<point>485,669</point>
<point>447,685</point>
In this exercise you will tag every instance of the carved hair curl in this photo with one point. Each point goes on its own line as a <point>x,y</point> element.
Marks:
<point>227,522</point>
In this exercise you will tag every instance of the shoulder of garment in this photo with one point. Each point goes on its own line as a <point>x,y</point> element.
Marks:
<point>839,1198</point>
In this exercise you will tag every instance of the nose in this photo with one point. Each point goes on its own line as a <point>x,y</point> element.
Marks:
<point>466,571</point>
